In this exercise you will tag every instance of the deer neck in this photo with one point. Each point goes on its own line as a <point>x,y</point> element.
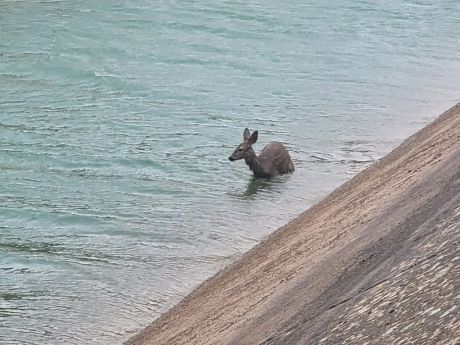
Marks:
<point>253,163</point>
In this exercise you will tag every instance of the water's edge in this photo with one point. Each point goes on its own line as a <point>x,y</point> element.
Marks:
<point>249,301</point>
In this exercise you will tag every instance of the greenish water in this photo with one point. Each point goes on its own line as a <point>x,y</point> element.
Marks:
<point>117,118</point>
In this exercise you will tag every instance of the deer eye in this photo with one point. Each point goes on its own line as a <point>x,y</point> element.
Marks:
<point>240,149</point>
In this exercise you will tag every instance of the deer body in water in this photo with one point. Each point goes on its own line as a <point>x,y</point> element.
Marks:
<point>273,160</point>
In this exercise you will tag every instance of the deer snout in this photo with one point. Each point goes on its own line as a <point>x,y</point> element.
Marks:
<point>231,159</point>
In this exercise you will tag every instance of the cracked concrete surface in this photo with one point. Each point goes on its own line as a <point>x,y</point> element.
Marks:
<point>376,262</point>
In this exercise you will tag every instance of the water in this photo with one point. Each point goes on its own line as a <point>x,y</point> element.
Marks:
<point>117,118</point>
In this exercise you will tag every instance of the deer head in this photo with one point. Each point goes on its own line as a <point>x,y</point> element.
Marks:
<point>244,150</point>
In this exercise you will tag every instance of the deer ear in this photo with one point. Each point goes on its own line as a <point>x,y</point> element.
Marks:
<point>253,138</point>
<point>246,134</point>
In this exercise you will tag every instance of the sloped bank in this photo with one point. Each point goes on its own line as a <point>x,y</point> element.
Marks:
<point>377,261</point>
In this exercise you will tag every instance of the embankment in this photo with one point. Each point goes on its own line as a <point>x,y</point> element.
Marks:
<point>375,262</point>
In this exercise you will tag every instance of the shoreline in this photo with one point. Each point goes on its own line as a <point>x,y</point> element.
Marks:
<point>304,282</point>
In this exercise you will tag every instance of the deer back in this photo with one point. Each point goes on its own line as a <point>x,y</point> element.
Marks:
<point>275,159</point>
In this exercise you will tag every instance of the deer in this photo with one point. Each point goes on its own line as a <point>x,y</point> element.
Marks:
<point>273,160</point>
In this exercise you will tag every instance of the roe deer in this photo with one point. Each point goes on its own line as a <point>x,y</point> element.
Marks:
<point>273,160</point>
